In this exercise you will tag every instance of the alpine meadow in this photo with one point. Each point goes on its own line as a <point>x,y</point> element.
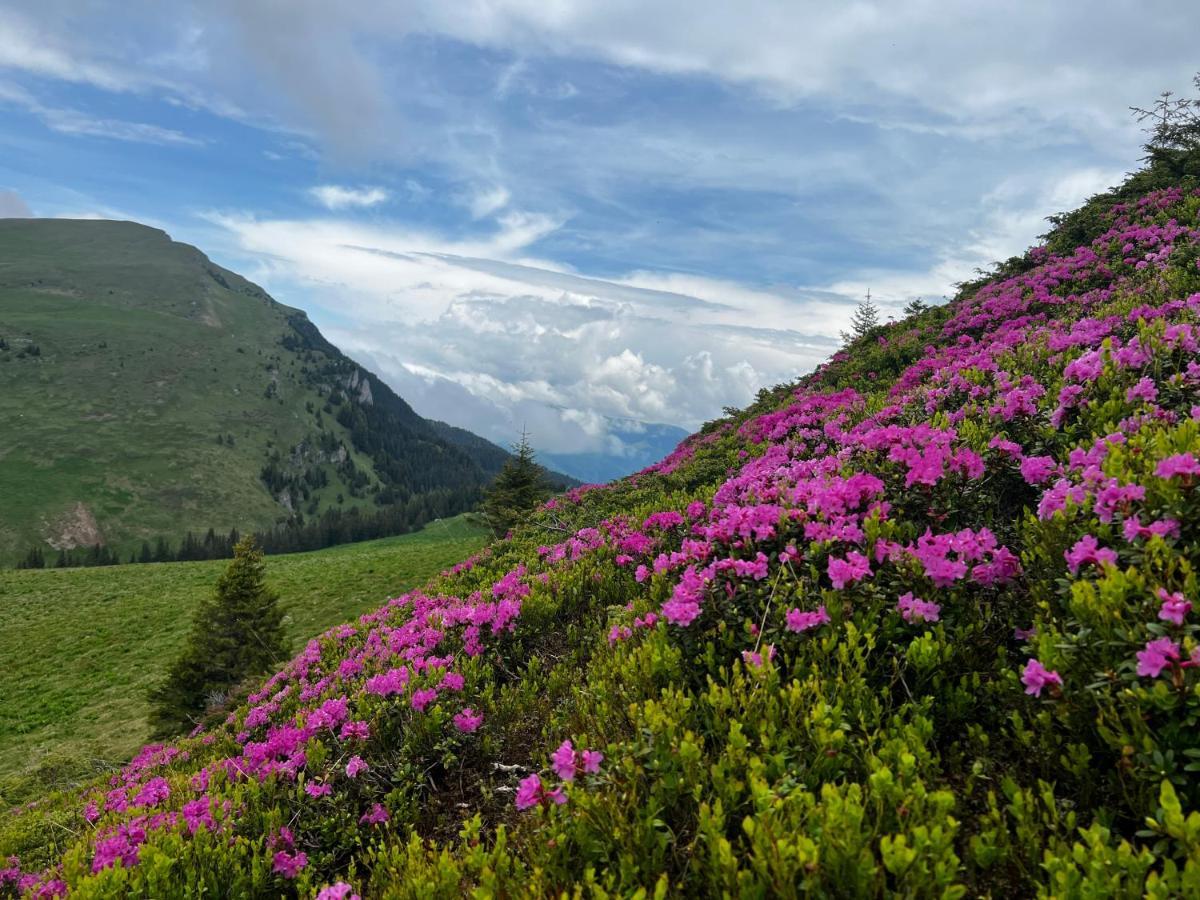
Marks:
<point>919,620</point>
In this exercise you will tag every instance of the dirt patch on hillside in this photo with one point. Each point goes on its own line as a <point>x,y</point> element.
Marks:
<point>77,527</point>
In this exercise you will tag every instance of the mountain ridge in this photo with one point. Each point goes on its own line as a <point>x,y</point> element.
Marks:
<point>156,393</point>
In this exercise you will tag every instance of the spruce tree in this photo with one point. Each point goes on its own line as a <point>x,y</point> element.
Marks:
<point>237,632</point>
<point>518,489</point>
<point>865,319</point>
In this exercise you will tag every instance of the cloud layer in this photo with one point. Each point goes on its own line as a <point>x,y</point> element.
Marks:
<point>574,214</point>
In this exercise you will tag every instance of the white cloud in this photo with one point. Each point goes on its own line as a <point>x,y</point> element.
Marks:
<point>484,202</point>
<point>474,332</point>
<point>335,197</point>
<point>39,51</point>
<point>74,122</point>
<point>1011,218</point>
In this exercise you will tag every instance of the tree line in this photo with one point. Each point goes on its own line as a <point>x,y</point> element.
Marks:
<point>297,534</point>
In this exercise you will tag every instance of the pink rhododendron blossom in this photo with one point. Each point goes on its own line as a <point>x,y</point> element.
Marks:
<point>1143,390</point>
<point>468,720</point>
<point>1181,464</point>
<point>376,815</point>
<point>289,864</point>
<point>197,814</point>
<point>846,571</point>
<point>914,609</point>
<point>1157,655</point>
<point>1037,469</point>
<point>1088,550</point>
<point>1035,677</point>
<point>1174,607</point>
<point>591,761</point>
<point>356,766</point>
<point>563,761</point>
<point>422,698</point>
<point>754,658</point>
<point>314,789</point>
<point>337,891</point>
<point>531,792</point>
<point>799,620</point>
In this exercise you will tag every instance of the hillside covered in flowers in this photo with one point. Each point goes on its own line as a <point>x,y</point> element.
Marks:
<point>924,623</point>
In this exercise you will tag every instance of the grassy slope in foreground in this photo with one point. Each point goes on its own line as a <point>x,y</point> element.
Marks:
<point>82,646</point>
<point>916,626</point>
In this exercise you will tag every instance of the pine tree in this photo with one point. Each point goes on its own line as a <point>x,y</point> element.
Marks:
<point>864,320</point>
<point>34,559</point>
<point>162,551</point>
<point>915,306</point>
<point>518,489</point>
<point>236,633</point>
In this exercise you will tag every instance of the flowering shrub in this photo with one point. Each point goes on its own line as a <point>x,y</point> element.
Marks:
<point>921,624</point>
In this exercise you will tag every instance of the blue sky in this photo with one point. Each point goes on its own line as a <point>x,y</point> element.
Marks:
<point>582,216</point>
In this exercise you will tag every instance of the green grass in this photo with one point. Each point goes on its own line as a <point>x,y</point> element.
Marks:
<point>80,647</point>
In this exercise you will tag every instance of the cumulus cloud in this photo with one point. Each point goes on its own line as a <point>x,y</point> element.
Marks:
<point>12,206</point>
<point>335,197</point>
<point>477,333</point>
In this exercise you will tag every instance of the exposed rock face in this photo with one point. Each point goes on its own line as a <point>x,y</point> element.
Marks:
<point>359,385</point>
<point>77,527</point>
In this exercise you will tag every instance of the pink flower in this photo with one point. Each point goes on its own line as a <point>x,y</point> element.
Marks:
<point>338,891</point>
<point>422,698</point>
<point>1035,677</point>
<point>1024,634</point>
<point>591,761</point>
<point>468,721</point>
<point>452,681</point>
<point>563,761</point>
<point>798,620</point>
<point>915,609</point>
<point>1143,390</point>
<point>1157,656</point>
<point>153,792</point>
<point>356,766</point>
<point>198,813</point>
<point>314,789</point>
<point>1174,606</point>
<point>376,815</point>
<point>853,568</point>
<point>1037,469</point>
<point>1088,550</point>
<point>289,865</point>
<point>531,792</point>
<point>755,659</point>
<point>355,730</point>
<point>1184,464</point>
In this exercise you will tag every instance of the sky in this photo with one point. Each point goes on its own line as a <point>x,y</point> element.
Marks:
<point>583,218</point>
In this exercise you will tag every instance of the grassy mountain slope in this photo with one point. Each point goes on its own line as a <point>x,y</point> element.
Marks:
<point>72,701</point>
<point>125,356</point>
<point>920,624</point>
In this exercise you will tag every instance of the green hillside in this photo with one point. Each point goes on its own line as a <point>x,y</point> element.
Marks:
<point>146,391</point>
<point>82,646</point>
<point>920,624</point>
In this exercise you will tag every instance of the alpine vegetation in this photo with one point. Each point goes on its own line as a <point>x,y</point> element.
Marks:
<point>920,624</point>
